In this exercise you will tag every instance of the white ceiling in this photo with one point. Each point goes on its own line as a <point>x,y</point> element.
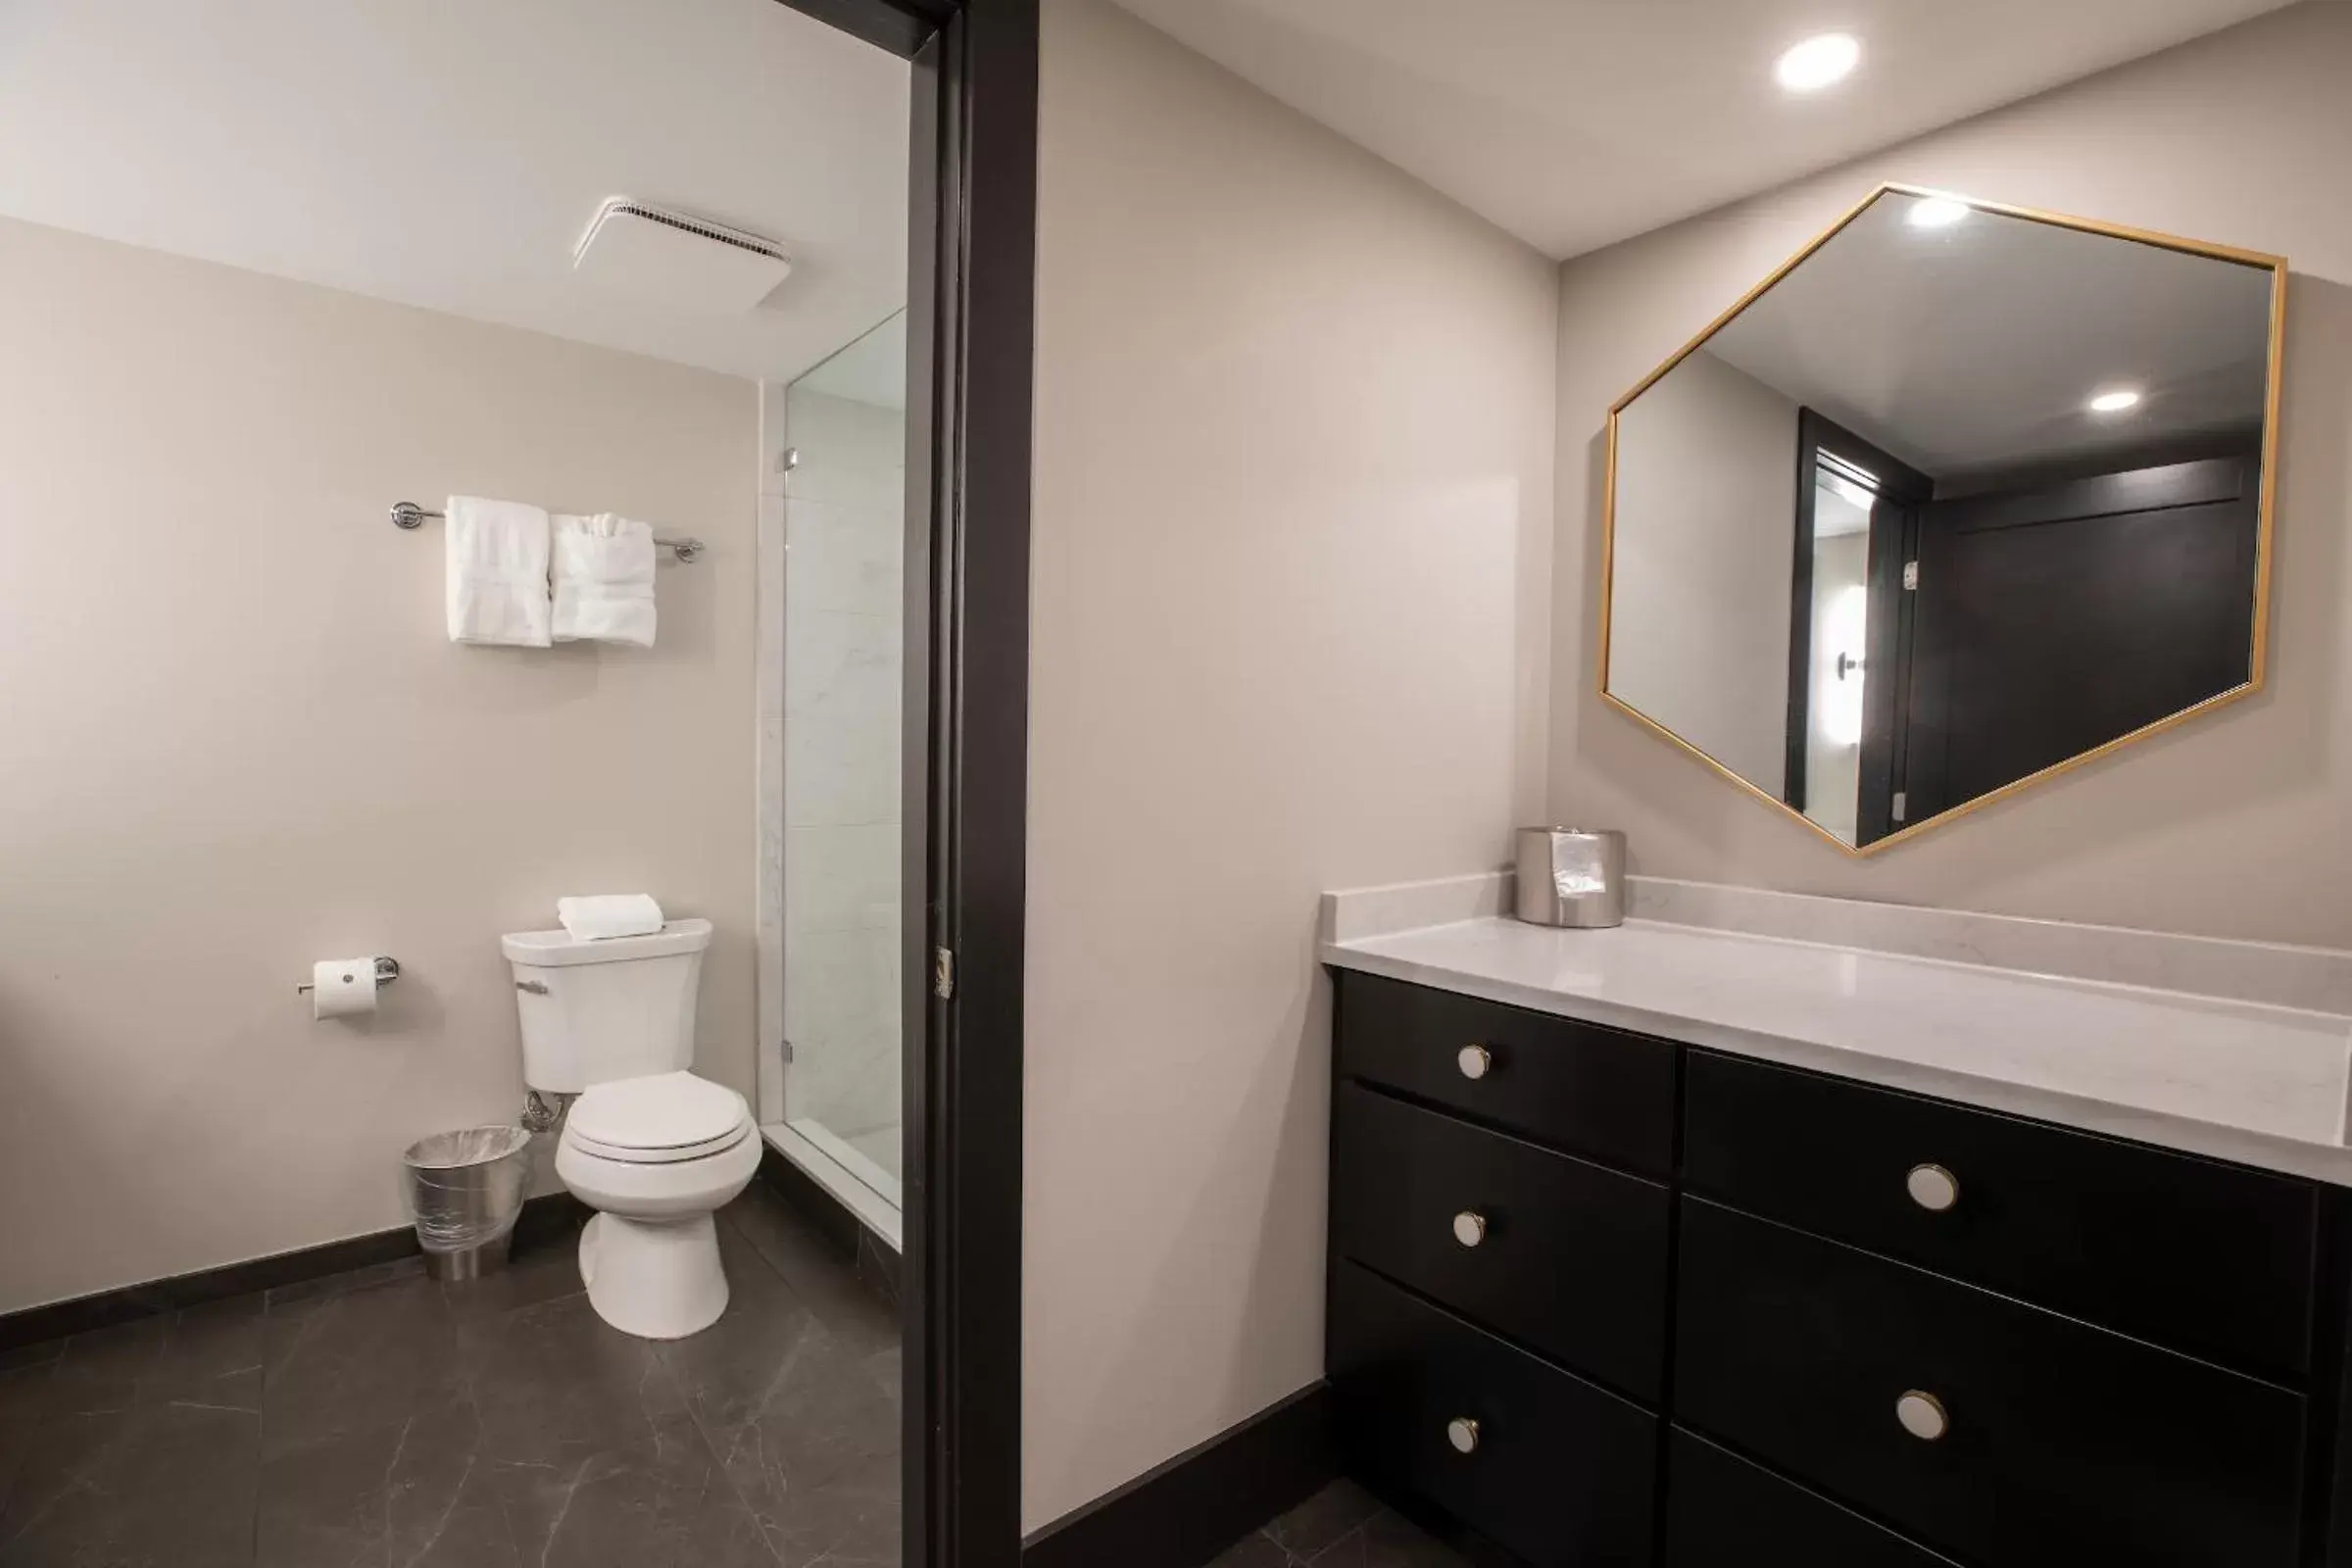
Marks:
<point>1574,123</point>
<point>1977,347</point>
<point>450,154</point>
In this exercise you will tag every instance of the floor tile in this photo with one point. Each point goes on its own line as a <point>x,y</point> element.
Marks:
<point>658,1500</point>
<point>354,1356</point>
<point>415,1496</point>
<point>381,1419</point>
<point>821,1274</point>
<point>1253,1551</point>
<point>209,1354</point>
<point>544,1270</point>
<point>555,1383</point>
<point>40,1352</point>
<point>1323,1518</point>
<point>807,1436</point>
<point>170,1485</point>
<point>1388,1541</point>
<point>1342,1526</point>
<point>358,1279</point>
<point>23,1404</point>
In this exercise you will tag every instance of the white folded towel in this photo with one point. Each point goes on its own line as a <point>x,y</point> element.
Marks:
<point>496,554</point>
<point>610,915</point>
<point>603,580</point>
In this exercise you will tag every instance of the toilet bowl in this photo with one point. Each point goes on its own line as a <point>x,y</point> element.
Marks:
<point>654,1156</point>
<point>653,1148</point>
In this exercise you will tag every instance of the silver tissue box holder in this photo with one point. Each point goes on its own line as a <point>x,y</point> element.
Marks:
<point>1571,877</point>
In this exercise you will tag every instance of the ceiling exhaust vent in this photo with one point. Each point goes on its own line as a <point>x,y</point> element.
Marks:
<point>674,260</point>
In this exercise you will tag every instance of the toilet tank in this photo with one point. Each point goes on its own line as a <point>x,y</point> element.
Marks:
<point>618,1007</point>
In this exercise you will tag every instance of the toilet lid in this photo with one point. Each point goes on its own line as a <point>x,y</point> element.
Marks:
<point>667,1116</point>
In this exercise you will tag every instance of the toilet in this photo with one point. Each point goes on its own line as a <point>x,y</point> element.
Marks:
<point>653,1150</point>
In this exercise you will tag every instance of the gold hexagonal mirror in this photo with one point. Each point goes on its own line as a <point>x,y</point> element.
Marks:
<point>1959,497</point>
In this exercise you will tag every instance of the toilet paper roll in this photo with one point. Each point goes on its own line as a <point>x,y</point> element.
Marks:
<point>343,988</point>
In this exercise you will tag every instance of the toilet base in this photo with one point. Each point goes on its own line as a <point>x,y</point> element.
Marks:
<point>659,1279</point>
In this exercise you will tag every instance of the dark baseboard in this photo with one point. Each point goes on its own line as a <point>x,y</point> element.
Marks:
<point>1193,1507</point>
<point>541,1217</point>
<point>874,1259</point>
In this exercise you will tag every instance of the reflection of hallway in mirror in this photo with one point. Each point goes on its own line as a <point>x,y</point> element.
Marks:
<point>1841,616</point>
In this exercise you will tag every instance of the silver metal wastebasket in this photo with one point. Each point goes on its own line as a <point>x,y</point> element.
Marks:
<point>1571,876</point>
<point>464,1190</point>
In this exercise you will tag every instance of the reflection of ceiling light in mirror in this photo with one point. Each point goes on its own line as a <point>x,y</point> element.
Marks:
<point>2115,402</point>
<point>1818,62</point>
<point>1935,212</point>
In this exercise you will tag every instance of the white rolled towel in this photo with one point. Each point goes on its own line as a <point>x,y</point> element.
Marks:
<point>495,560</point>
<point>595,917</point>
<point>604,570</point>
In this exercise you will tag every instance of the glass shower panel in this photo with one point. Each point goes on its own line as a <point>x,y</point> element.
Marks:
<point>843,519</point>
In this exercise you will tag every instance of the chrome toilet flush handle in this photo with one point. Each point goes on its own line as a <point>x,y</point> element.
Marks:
<point>537,988</point>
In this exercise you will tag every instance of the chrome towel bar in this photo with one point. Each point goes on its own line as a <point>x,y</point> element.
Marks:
<point>410,516</point>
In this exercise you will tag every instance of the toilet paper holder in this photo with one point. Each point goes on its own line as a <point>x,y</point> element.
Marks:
<point>387,971</point>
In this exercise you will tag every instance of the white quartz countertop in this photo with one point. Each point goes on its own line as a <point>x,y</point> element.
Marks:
<point>2246,1081</point>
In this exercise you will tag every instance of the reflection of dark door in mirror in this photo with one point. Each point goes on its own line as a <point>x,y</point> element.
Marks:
<point>2053,621</point>
<point>1856,509</point>
<point>2062,430</point>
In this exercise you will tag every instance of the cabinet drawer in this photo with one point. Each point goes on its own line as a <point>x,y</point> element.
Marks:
<point>1566,1256</point>
<point>2206,1258</point>
<point>2062,1443</point>
<point>1579,1086</point>
<point>1559,1471</point>
<point>1723,1512</point>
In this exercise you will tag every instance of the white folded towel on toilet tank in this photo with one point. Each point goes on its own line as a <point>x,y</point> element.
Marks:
<point>495,559</point>
<point>604,568</point>
<point>610,915</point>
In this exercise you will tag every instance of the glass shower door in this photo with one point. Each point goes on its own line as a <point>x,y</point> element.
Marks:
<point>843,520</point>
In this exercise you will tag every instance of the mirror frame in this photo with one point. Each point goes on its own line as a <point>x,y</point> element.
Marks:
<point>2275,265</point>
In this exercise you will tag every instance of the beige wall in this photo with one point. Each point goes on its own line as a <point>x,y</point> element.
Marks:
<point>237,738</point>
<point>1293,505</point>
<point>1706,503</point>
<point>2233,825</point>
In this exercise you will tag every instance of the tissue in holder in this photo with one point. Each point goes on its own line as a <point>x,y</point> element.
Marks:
<point>610,915</point>
<point>343,988</point>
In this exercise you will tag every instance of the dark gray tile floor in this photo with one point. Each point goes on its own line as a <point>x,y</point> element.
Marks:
<point>1343,1526</point>
<point>379,1420</point>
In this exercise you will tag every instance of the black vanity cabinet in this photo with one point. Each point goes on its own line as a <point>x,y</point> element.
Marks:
<point>1608,1300</point>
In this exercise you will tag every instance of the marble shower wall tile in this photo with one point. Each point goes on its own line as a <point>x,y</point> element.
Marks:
<point>837,824</point>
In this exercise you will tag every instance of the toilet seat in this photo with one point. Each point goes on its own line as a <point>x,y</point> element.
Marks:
<point>660,1119</point>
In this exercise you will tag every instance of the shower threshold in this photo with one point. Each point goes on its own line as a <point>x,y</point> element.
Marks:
<point>857,1181</point>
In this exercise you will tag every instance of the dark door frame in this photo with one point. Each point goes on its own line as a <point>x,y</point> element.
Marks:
<point>1902,491</point>
<point>971,238</point>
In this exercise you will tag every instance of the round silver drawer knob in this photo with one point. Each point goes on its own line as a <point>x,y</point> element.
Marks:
<point>1462,1433</point>
<point>1476,1062</point>
<point>1922,1415</point>
<point>1469,1229</point>
<point>1932,1188</point>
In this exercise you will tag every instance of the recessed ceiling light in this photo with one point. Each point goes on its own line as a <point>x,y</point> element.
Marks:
<point>1935,212</point>
<point>2115,402</point>
<point>1818,62</point>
